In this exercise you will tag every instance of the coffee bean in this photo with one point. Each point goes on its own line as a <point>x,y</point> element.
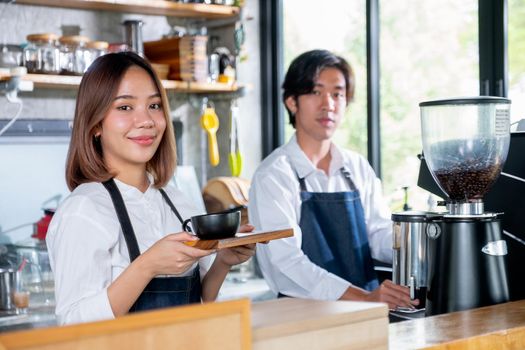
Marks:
<point>468,180</point>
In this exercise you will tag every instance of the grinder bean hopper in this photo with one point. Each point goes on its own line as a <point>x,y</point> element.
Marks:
<point>465,144</point>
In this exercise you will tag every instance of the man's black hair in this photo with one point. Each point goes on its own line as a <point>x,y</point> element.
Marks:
<point>304,70</point>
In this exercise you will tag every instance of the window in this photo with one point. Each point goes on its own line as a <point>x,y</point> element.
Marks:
<point>338,26</point>
<point>516,47</point>
<point>428,50</point>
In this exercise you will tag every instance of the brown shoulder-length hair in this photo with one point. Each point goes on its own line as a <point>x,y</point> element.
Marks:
<point>96,93</point>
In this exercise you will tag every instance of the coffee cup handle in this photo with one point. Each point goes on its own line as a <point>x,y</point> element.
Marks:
<point>186,227</point>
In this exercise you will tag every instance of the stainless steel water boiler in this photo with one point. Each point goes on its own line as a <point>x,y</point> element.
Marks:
<point>411,249</point>
<point>7,284</point>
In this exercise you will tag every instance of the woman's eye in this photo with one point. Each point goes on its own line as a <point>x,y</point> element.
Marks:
<point>124,108</point>
<point>155,106</point>
<point>316,92</point>
<point>337,95</point>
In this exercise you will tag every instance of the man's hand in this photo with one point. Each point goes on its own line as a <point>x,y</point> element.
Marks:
<point>388,292</point>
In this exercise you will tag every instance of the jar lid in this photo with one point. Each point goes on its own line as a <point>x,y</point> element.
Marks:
<point>99,45</point>
<point>42,37</point>
<point>10,48</point>
<point>73,39</point>
<point>477,100</point>
<point>414,216</point>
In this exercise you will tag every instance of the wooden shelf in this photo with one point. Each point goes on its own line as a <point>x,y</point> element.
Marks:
<point>194,87</point>
<point>47,81</point>
<point>53,81</point>
<point>147,7</point>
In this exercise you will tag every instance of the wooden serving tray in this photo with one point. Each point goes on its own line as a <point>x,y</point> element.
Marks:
<point>241,239</point>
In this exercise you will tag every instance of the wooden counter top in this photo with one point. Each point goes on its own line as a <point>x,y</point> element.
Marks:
<point>290,323</point>
<point>216,326</point>
<point>493,327</point>
<point>275,325</point>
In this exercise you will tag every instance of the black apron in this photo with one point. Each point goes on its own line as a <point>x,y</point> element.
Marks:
<point>160,292</point>
<point>334,234</point>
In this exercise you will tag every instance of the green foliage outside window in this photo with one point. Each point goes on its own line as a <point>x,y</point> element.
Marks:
<point>428,50</point>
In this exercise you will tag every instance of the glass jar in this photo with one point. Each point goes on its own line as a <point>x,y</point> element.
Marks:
<point>95,49</point>
<point>118,47</point>
<point>37,274</point>
<point>41,55</point>
<point>72,54</point>
<point>10,56</point>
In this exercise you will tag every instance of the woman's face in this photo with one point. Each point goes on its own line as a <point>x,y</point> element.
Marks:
<point>133,127</point>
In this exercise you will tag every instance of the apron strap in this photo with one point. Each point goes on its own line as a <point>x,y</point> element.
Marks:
<point>346,174</point>
<point>123,218</point>
<point>344,171</point>
<point>170,203</point>
<point>302,183</point>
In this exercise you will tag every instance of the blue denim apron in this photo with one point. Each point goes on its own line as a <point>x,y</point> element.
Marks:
<point>160,292</point>
<point>334,234</point>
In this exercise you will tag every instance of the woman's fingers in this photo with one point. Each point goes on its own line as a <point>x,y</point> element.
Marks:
<point>247,253</point>
<point>250,246</point>
<point>181,237</point>
<point>194,252</point>
<point>177,240</point>
<point>246,228</point>
<point>247,250</point>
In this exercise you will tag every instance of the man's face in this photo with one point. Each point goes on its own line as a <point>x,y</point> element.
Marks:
<point>319,113</point>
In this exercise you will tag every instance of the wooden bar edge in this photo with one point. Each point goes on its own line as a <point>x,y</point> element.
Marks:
<point>138,321</point>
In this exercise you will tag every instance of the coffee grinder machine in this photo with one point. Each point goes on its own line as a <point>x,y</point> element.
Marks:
<point>465,144</point>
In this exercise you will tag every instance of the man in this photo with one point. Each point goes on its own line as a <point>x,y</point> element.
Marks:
<point>330,196</point>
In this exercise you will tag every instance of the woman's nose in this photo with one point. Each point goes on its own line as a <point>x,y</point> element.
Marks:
<point>145,120</point>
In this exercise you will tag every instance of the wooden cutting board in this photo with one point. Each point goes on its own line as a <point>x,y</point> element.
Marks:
<point>241,239</point>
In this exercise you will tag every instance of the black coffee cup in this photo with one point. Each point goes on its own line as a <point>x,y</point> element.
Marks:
<point>215,225</point>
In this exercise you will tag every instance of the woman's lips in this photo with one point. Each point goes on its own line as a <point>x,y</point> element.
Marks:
<point>143,140</point>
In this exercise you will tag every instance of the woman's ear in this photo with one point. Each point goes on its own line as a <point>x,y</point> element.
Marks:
<point>291,104</point>
<point>98,132</point>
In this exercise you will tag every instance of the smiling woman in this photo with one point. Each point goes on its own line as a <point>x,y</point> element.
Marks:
<point>133,127</point>
<point>111,242</point>
<point>111,91</point>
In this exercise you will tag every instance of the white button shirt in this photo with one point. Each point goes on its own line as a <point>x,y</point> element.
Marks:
<point>87,249</point>
<point>275,203</point>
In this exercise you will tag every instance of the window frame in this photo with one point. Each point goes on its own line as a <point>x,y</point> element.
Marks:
<point>493,68</point>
